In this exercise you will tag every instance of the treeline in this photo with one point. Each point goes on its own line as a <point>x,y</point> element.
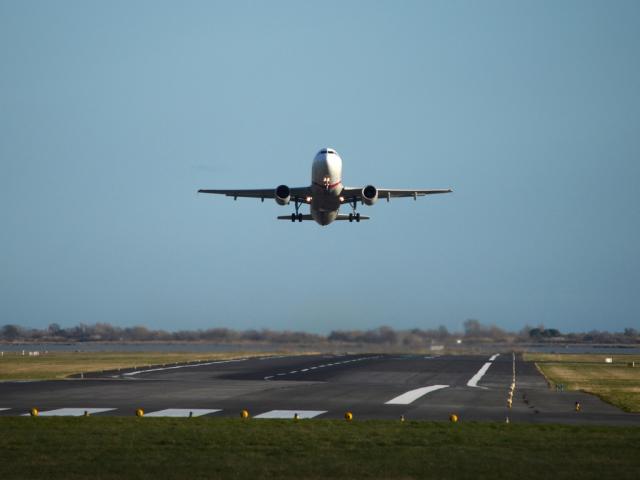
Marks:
<point>473,331</point>
<point>105,332</point>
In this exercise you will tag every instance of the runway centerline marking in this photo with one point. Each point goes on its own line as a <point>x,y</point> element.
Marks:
<point>70,412</point>
<point>302,414</point>
<point>182,412</point>
<point>307,369</point>
<point>412,395</point>
<point>473,382</point>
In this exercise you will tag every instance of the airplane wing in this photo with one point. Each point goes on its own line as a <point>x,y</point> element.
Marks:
<point>301,193</point>
<point>351,194</point>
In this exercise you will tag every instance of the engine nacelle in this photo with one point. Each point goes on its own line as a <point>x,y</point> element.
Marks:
<point>283,195</point>
<point>369,195</point>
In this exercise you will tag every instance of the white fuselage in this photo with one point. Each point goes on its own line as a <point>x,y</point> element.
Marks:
<point>326,186</point>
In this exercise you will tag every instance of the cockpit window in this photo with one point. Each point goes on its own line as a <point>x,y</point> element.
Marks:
<point>327,150</point>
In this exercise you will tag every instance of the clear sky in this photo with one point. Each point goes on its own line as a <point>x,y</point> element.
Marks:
<point>113,114</point>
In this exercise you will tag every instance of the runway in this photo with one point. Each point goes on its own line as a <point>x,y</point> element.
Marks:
<point>372,386</point>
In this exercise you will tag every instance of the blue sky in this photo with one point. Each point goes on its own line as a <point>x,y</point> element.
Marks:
<point>113,114</point>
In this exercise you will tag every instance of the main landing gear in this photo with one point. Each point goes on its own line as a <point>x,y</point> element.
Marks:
<point>297,215</point>
<point>354,216</point>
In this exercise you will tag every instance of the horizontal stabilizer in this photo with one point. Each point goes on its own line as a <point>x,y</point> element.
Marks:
<point>309,217</point>
<point>346,217</point>
<point>288,217</point>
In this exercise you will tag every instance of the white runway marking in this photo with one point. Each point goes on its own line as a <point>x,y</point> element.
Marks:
<point>412,395</point>
<point>493,357</point>
<point>479,374</point>
<point>181,412</point>
<point>4,409</point>
<point>307,369</point>
<point>70,412</point>
<point>290,413</point>
<point>159,369</point>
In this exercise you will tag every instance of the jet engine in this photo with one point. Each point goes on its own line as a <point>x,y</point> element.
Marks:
<point>369,195</point>
<point>283,195</point>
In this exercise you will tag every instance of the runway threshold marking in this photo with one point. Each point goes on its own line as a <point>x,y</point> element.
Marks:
<point>174,367</point>
<point>290,413</point>
<point>70,412</point>
<point>412,395</point>
<point>182,412</point>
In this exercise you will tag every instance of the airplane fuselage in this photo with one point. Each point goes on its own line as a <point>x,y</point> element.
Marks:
<point>326,186</point>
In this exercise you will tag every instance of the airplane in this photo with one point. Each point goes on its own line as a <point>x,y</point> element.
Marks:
<point>326,193</point>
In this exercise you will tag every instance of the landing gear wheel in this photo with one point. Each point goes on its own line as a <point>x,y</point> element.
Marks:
<point>299,217</point>
<point>293,217</point>
<point>351,217</point>
<point>357,217</point>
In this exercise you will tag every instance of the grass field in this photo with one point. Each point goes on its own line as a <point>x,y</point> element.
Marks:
<point>62,364</point>
<point>616,382</point>
<point>198,448</point>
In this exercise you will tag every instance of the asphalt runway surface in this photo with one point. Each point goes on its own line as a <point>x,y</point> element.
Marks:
<point>321,386</point>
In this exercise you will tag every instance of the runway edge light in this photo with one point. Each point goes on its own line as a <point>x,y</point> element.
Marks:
<point>139,412</point>
<point>348,416</point>
<point>34,412</point>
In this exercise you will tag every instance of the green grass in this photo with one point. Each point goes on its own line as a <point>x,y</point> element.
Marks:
<point>581,358</point>
<point>57,365</point>
<point>199,448</point>
<point>616,382</point>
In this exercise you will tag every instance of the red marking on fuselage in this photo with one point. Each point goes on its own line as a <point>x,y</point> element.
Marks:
<point>329,187</point>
